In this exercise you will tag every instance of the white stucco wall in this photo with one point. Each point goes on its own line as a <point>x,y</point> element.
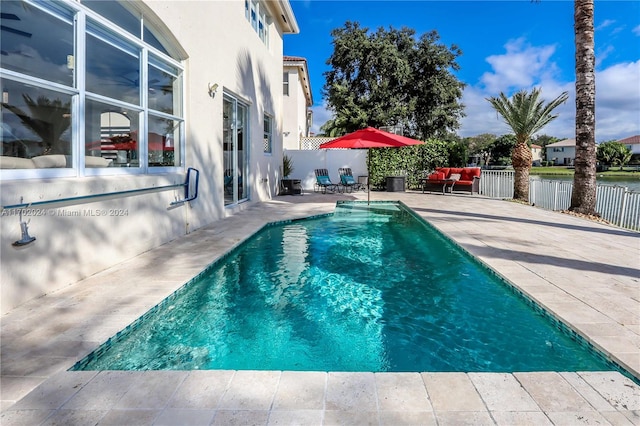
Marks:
<point>306,161</point>
<point>294,111</point>
<point>75,239</point>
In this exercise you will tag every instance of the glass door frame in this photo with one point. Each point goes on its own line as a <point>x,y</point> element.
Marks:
<point>235,161</point>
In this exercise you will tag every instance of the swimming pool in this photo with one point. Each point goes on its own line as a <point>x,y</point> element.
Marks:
<point>365,289</point>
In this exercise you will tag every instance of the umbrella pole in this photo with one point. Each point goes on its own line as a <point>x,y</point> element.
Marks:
<point>368,177</point>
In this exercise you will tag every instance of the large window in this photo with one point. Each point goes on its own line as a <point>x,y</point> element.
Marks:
<point>78,91</point>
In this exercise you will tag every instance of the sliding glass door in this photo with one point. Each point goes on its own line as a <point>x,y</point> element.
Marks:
<point>235,150</point>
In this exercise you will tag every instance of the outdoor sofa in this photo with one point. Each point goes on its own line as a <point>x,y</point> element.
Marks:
<point>449,179</point>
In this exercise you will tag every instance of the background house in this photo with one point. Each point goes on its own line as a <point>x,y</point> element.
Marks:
<point>297,116</point>
<point>562,152</point>
<point>130,94</point>
<point>536,154</point>
<point>633,143</point>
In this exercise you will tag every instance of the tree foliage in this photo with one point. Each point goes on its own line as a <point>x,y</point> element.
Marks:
<point>48,118</point>
<point>502,148</point>
<point>411,161</point>
<point>479,146</point>
<point>525,114</point>
<point>390,77</point>
<point>613,153</point>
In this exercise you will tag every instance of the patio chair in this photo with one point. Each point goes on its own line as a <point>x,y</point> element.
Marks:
<point>228,181</point>
<point>347,180</point>
<point>323,182</point>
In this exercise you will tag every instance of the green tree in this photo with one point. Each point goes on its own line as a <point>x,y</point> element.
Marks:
<point>388,78</point>
<point>479,146</point>
<point>583,195</point>
<point>502,147</point>
<point>48,118</point>
<point>525,114</point>
<point>613,153</point>
<point>409,160</point>
<point>458,154</point>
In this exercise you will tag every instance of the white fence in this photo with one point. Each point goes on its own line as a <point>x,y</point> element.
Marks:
<point>615,204</point>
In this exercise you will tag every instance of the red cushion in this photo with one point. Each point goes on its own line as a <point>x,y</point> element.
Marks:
<point>468,173</point>
<point>436,176</point>
<point>444,170</point>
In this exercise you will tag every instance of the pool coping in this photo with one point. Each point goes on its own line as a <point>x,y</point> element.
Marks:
<point>440,209</point>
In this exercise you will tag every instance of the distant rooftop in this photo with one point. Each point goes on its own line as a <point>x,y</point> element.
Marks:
<point>301,63</point>
<point>564,142</point>
<point>631,140</point>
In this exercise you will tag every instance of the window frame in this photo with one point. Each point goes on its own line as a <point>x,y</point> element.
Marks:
<point>256,14</point>
<point>285,83</point>
<point>267,134</point>
<point>86,22</point>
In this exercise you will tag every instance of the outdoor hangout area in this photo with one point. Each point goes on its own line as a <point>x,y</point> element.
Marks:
<point>449,178</point>
<point>37,387</point>
<point>366,243</point>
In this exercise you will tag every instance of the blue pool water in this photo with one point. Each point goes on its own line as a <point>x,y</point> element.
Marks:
<point>364,289</point>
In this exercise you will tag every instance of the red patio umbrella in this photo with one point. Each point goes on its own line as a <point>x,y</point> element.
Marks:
<point>370,138</point>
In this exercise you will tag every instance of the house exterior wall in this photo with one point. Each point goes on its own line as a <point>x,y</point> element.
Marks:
<point>536,153</point>
<point>295,111</point>
<point>562,152</point>
<point>564,155</point>
<point>75,239</point>
<point>305,162</point>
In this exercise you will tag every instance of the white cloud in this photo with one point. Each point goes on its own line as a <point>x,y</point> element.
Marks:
<point>605,24</point>
<point>636,30</point>
<point>618,101</point>
<point>602,55</point>
<point>519,67</point>
<point>525,67</point>
<point>320,116</point>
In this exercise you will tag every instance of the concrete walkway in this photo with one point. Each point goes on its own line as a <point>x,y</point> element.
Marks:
<point>584,273</point>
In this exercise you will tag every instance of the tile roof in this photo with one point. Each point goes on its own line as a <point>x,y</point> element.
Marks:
<point>565,142</point>
<point>631,140</point>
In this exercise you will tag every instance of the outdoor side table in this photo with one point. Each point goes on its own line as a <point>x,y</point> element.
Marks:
<point>291,187</point>
<point>451,183</point>
<point>395,183</point>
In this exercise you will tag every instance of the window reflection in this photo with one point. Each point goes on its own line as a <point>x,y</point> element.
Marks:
<point>115,12</point>
<point>36,43</point>
<point>35,122</point>
<point>37,40</point>
<point>164,90</point>
<point>111,134</point>
<point>112,72</point>
<point>127,20</point>
<point>164,137</point>
<point>151,39</point>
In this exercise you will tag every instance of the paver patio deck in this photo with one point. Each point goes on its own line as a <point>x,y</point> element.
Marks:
<point>584,273</point>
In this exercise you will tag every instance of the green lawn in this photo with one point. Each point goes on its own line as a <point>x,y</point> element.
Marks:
<point>564,171</point>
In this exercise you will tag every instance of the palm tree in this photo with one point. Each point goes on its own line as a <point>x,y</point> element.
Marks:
<point>48,118</point>
<point>583,196</point>
<point>525,114</point>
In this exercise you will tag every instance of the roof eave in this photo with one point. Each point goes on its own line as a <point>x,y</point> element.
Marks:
<point>301,64</point>
<point>285,16</point>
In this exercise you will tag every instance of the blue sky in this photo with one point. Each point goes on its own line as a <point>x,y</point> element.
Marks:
<point>506,46</point>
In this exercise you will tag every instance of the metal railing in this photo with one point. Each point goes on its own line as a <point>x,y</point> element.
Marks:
<point>616,204</point>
